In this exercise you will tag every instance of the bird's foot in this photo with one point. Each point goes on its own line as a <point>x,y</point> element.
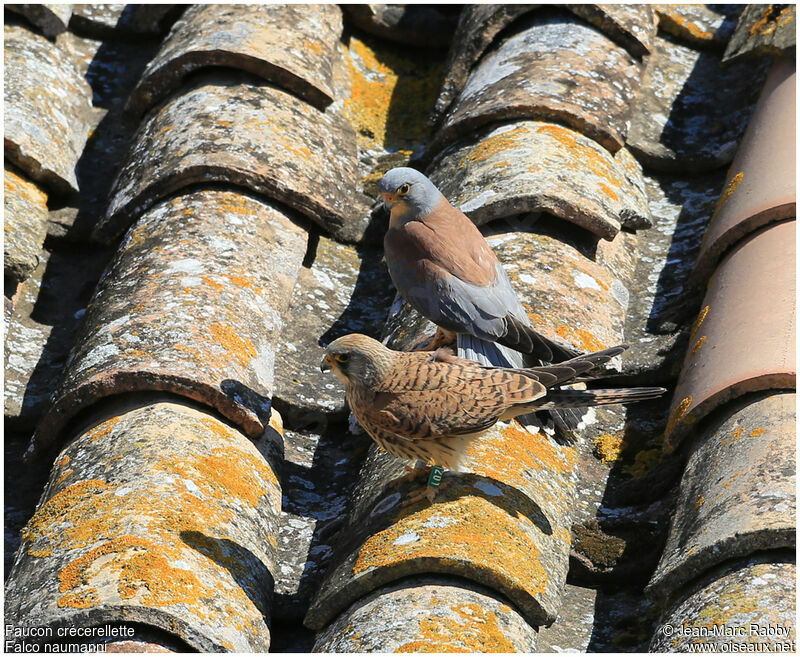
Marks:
<point>442,338</point>
<point>431,488</point>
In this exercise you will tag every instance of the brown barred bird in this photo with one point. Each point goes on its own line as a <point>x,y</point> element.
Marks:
<point>429,405</point>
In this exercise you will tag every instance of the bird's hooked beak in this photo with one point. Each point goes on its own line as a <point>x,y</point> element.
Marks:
<point>325,365</point>
<point>389,199</point>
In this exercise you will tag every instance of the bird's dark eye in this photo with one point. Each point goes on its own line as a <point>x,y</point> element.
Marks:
<point>342,358</point>
<point>404,189</point>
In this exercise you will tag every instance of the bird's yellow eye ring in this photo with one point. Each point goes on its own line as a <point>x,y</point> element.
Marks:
<point>341,358</point>
<point>404,189</point>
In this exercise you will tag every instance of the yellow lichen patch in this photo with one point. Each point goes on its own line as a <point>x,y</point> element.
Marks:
<point>63,476</point>
<point>580,338</point>
<point>103,429</point>
<point>391,94</point>
<point>697,346</point>
<point>644,461</point>
<point>62,462</point>
<point>480,632</point>
<point>677,415</point>
<point>733,183</point>
<point>481,533</point>
<point>755,433</point>
<point>609,447</point>
<point>590,159</point>
<point>608,191</point>
<point>768,22</point>
<point>241,348</point>
<point>701,317</point>
<point>496,144</point>
<point>699,502</point>
<point>210,282</point>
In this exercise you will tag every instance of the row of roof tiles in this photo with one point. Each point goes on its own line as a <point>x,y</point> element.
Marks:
<point>260,161</point>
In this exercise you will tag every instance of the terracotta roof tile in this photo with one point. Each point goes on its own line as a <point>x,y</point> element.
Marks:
<point>691,110</point>
<point>760,188</point>
<point>246,134</point>
<point>698,25</point>
<point>24,224</point>
<point>159,514</point>
<point>112,20</point>
<point>554,68</point>
<point>737,494</point>
<point>195,311</point>
<point>754,284</point>
<point>51,19</point>
<point>764,29</point>
<point>437,614</point>
<point>46,115</point>
<point>532,166</point>
<point>293,46</point>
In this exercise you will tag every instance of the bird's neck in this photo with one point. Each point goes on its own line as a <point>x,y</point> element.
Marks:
<point>402,212</point>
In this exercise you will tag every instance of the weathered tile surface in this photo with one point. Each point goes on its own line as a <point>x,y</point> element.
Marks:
<point>760,188</point>
<point>662,302</point>
<point>194,304</point>
<point>158,514</point>
<point>556,68</point>
<point>429,615</point>
<point>737,494</point>
<point>764,30</point>
<point>49,308</point>
<point>24,225</point>
<point>292,46</point>
<point>46,109</point>
<point>751,604</point>
<point>51,19</point>
<point>531,166</point>
<point>755,284</point>
<point>104,20</point>
<point>691,111</point>
<point>320,467</point>
<point>424,26</point>
<point>249,134</point>
<point>632,26</point>
<point>504,523</point>
<point>344,291</point>
<point>701,26</point>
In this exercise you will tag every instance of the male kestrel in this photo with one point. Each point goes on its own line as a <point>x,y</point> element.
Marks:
<point>429,405</point>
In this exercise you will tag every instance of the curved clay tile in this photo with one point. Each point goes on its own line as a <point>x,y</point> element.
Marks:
<point>760,188</point>
<point>24,225</point>
<point>46,109</point>
<point>102,21</point>
<point>160,514</point>
<point>532,166</point>
<point>51,19</point>
<point>247,134</point>
<point>423,26</point>
<point>429,614</point>
<point>764,30</point>
<point>749,603</point>
<point>691,110</point>
<point>737,495</point>
<point>743,340</point>
<point>697,25</point>
<point>632,26</point>
<point>293,46</point>
<point>193,305</point>
<point>554,68</point>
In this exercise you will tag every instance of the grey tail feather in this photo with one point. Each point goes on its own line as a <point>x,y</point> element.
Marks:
<point>560,399</point>
<point>488,353</point>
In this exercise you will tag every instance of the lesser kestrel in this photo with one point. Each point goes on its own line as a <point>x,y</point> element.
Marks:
<point>429,405</point>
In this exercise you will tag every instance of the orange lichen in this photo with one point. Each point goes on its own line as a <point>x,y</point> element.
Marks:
<point>103,429</point>
<point>63,461</point>
<point>769,22</point>
<point>755,433</point>
<point>480,633</point>
<point>15,185</point>
<point>241,348</point>
<point>697,346</point>
<point>733,183</point>
<point>677,415</point>
<point>594,161</point>
<point>699,502</point>
<point>63,476</point>
<point>496,144</point>
<point>481,532</point>
<point>701,317</point>
<point>609,447</point>
<point>580,338</point>
<point>210,282</point>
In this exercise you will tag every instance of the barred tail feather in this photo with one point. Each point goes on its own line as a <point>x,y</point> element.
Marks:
<point>561,399</point>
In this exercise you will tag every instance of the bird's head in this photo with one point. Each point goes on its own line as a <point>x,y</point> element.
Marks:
<point>357,358</point>
<point>407,193</point>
